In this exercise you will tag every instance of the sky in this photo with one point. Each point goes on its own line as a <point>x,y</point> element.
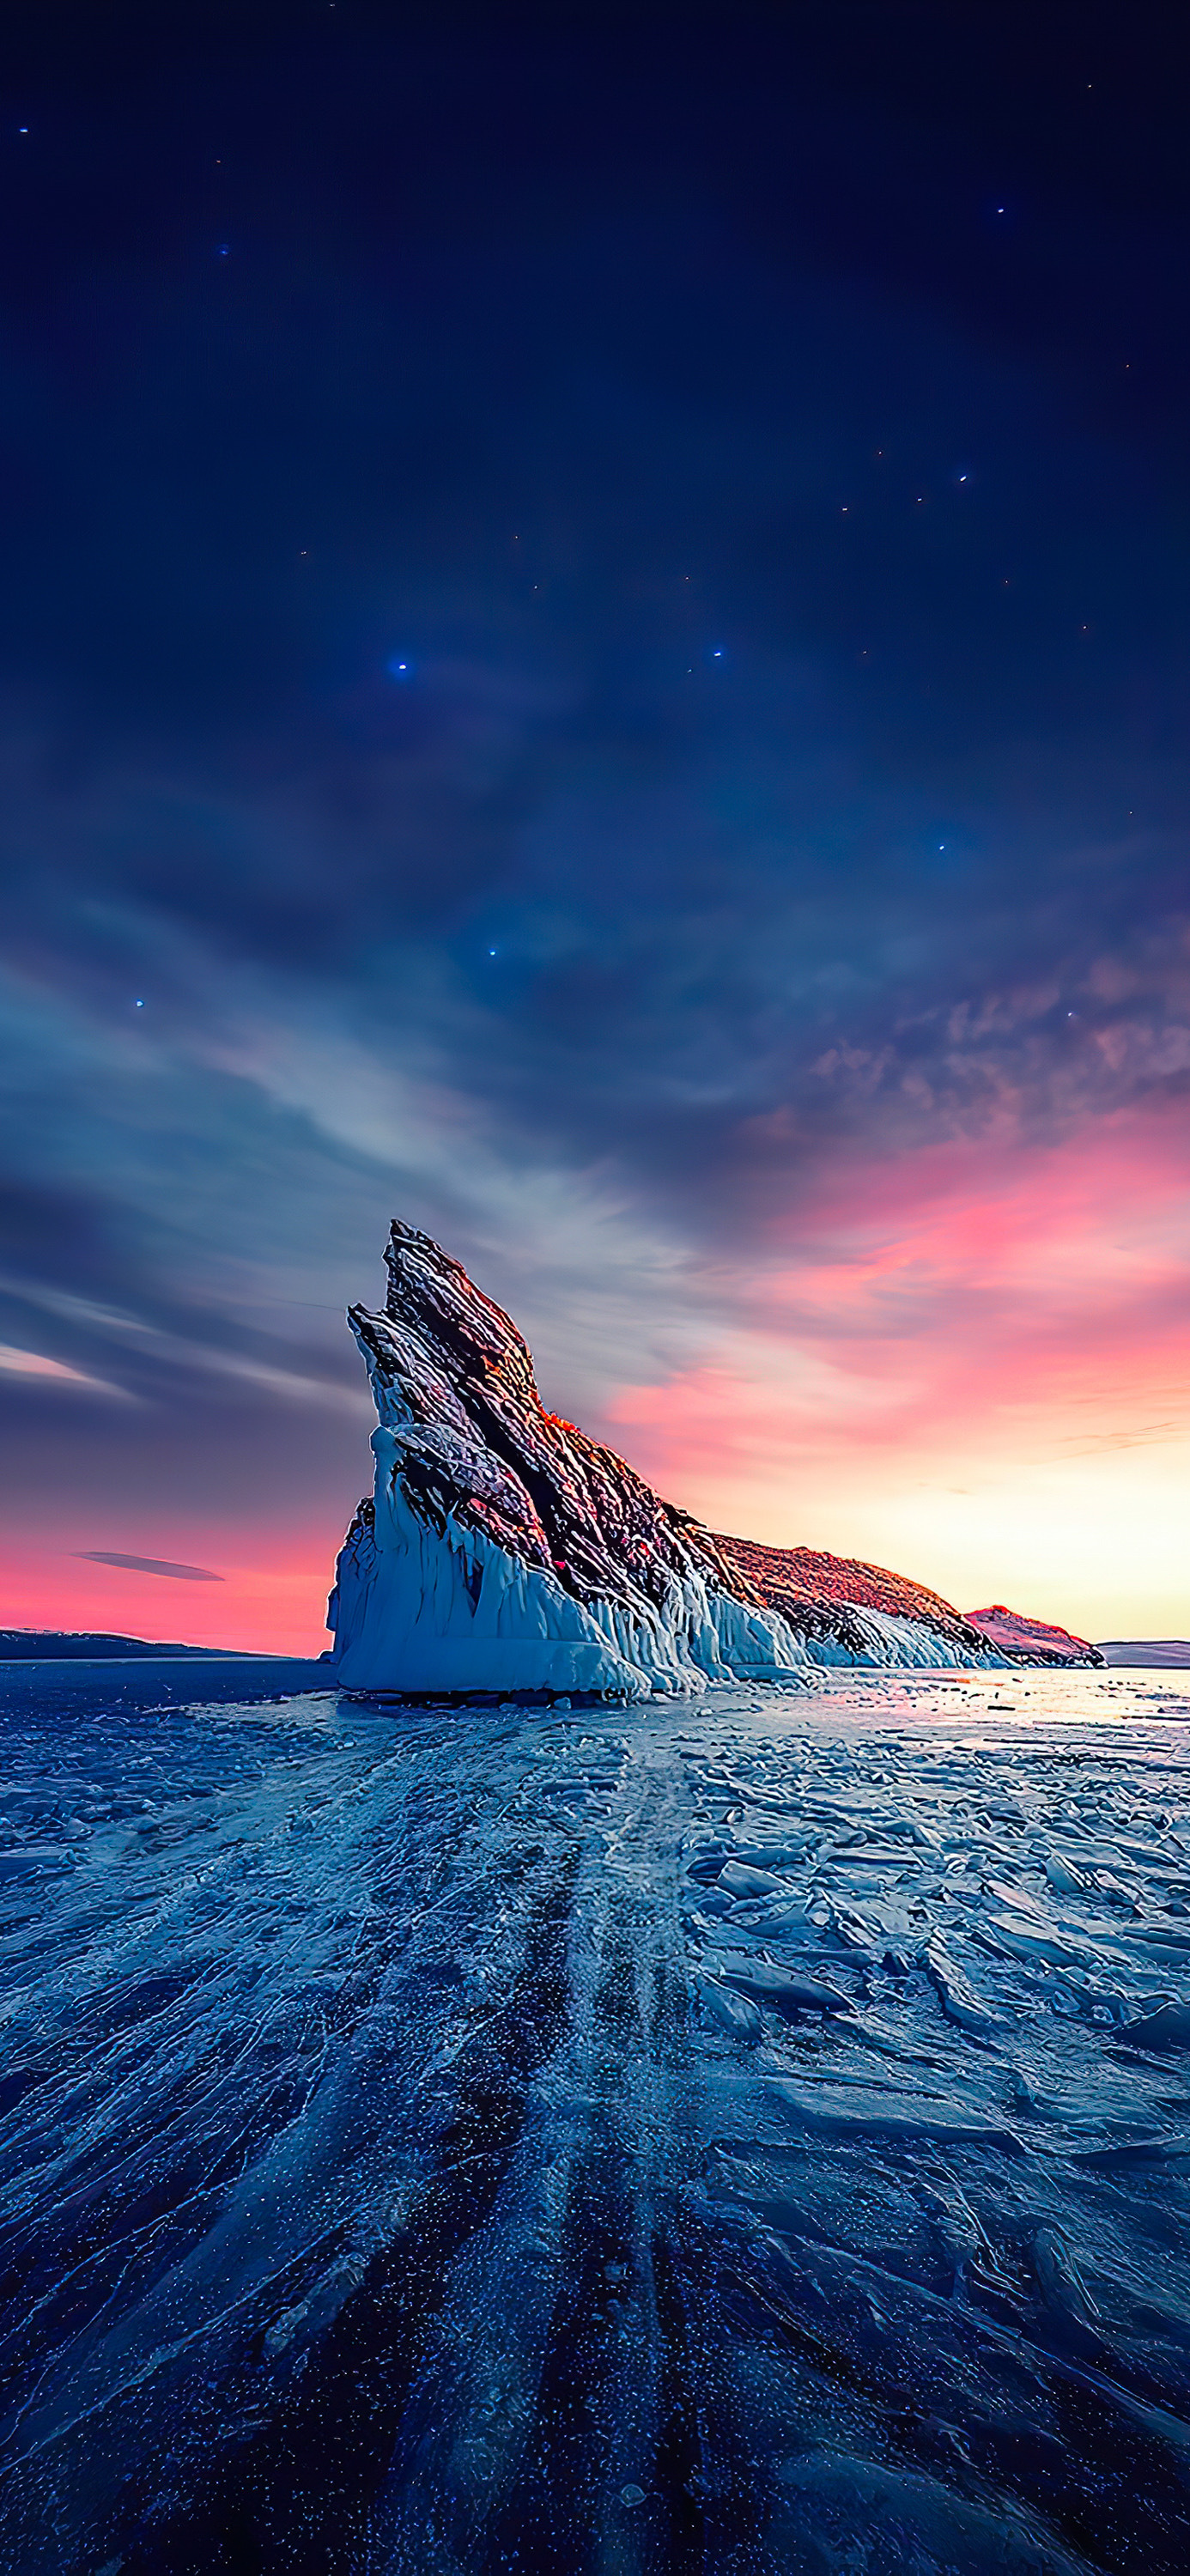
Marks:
<point>594,654</point>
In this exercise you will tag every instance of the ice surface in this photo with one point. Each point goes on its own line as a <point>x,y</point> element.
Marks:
<point>427,2151</point>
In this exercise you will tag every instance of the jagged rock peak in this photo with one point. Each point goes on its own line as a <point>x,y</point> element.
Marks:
<point>430,1290</point>
<point>504,1550</point>
<point>458,1364</point>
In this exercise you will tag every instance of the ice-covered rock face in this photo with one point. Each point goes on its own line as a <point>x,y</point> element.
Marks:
<point>847,1612</point>
<point>503,1551</point>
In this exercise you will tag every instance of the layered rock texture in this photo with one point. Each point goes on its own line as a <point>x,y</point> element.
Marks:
<point>847,1612</point>
<point>503,1551</point>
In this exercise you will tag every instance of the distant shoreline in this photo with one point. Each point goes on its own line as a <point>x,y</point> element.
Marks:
<point>1155,1654</point>
<point>63,1648</point>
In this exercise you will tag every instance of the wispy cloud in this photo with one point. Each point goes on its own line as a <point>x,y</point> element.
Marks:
<point>173,1350</point>
<point>37,1370</point>
<point>147,1565</point>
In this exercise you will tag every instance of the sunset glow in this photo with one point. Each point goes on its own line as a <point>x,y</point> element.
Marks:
<point>985,1378</point>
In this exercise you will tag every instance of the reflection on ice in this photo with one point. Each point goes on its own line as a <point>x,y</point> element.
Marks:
<point>514,2140</point>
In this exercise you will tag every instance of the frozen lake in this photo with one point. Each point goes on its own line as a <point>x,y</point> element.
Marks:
<point>704,2137</point>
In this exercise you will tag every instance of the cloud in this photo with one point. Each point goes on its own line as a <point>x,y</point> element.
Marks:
<point>147,1565</point>
<point>174,1353</point>
<point>37,1370</point>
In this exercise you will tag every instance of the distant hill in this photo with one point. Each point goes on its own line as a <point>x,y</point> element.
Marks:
<point>1157,1653</point>
<point>28,1645</point>
<point>1032,1641</point>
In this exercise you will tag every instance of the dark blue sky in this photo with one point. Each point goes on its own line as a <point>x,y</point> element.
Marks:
<point>593,650</point>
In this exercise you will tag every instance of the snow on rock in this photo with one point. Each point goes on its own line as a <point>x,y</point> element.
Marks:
<point>503,1551</point>
<point>847,1612</point>
<point>1032,1641</point>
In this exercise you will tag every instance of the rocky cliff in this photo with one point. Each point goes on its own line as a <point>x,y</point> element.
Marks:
<point>1032,1641</point>
<point>503,1551</point>
<point>847,1612</point>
